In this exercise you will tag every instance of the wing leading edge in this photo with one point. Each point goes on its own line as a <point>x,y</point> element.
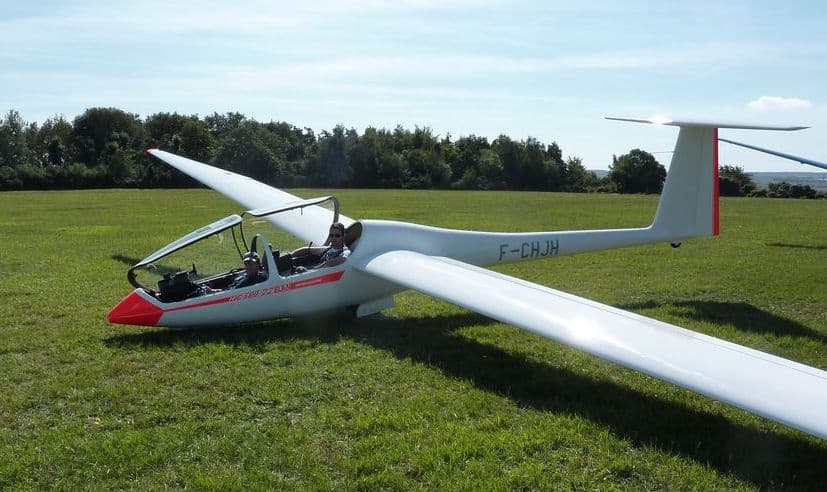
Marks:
<point>802,160</point>
<point>309,224</point>
<point>776,388</point>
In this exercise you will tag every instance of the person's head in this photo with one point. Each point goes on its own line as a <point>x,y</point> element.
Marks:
<point>252,263</point>
<point>337,234</point>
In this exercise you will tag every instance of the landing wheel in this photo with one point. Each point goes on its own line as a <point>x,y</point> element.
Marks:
<point>675,245</point>
<point>352,310</point>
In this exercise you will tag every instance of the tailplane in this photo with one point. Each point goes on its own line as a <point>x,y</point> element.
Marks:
<point>688,205</point>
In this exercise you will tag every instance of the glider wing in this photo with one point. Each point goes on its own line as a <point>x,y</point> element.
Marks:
<point>803,160</point>
<point>310,223</point>
<point>776,388</point>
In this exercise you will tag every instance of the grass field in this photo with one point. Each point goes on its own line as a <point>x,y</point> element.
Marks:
<point>430,397</point>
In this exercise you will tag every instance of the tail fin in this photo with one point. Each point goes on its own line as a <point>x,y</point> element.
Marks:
<point>689,202</point>
<point>688,205</point>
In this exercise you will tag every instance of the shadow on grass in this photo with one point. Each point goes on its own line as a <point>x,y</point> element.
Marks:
<point>798,246</point>
<point>741,315</point>
<point>765,459</point>
<point>159,269</point>
<point>127,260</point>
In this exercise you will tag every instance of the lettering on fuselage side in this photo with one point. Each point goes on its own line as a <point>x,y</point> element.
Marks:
<point>529,249</point>
<point>277,289</point>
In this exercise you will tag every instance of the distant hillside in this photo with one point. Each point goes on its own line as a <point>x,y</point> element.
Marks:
<point>815,180</point>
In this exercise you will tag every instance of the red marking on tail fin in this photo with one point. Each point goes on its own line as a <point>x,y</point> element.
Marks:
<point>716,225</point>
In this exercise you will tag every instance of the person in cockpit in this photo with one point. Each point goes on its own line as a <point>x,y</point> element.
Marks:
<point>338,251</point>
<point>252,274</point>
<point>336,254</point>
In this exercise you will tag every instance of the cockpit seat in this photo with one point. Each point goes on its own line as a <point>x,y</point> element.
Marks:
<point>352,235</point>
<point>284,264</point>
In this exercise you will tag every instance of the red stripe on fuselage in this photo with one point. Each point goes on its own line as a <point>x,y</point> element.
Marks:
<point>266,291</point>
<point>715,186</point>
<point>200,304</point>
<point>330,277</point>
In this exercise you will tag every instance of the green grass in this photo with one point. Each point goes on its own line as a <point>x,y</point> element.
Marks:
<point>432,397</point>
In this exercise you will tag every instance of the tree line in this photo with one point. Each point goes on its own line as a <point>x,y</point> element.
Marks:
<point>105,147</point>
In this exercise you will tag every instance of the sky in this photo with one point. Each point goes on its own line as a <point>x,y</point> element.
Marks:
<point>545,69</point>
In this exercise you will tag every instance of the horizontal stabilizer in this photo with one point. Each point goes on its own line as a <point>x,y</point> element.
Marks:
<point>709,124</point>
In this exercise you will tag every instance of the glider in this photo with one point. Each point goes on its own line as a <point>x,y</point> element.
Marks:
<point>802,160</point>
<point>388,257</point>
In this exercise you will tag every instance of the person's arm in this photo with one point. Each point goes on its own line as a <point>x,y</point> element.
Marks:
<point>337,260</point>
<point>333,262</point>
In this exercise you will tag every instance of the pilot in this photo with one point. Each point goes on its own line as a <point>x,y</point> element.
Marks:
<point>336,254</point>
<point>253,274</point>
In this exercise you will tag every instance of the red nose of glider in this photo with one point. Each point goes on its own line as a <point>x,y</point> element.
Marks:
<point>135,310</point>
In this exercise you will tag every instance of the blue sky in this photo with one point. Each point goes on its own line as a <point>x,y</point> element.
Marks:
<point>523,68</point>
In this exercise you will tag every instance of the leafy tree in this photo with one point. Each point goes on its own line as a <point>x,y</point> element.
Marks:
<point>733,181</point>
<point>536,172</point>
<point>162,129</point>
<point>97,127</point>
<point>426,169</point>
<point>637,172</point>
<point>490,171</point>
<point>13,148</point>
<point>366,158</point>
<point>53,139</point>
<point>511,155</point>
<point>555,166</point>
<point>55,151</point>
<point>245,151</point>
<point>196,142</point>
<point>114,160</point>
<point>330,166</point>
<point>578,179</point>
<point>468,154</point>
<point>220,125</point>
<point>402,139</point>
<point>784,189</point>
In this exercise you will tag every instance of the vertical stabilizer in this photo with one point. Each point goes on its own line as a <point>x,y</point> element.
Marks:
<point>689,202</point>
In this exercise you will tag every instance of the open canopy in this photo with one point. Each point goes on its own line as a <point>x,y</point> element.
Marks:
<point>262,212</point>
<point>192,237</point>
<point>327,204</point>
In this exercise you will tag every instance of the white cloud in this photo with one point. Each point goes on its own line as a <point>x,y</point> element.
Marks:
<point>453,64</point>
<point>769,103</point>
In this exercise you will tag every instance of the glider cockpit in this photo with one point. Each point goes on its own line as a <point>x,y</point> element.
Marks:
<point>205,260</point>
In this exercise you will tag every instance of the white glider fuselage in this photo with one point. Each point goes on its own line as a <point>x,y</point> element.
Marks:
<point>344,286</point>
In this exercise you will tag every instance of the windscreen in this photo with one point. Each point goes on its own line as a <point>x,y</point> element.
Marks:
<point>194,236</point>
<point>212,256</point>
<point>280,240</point>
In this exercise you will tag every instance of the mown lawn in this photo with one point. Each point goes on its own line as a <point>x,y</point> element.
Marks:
<point>432,396</point>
